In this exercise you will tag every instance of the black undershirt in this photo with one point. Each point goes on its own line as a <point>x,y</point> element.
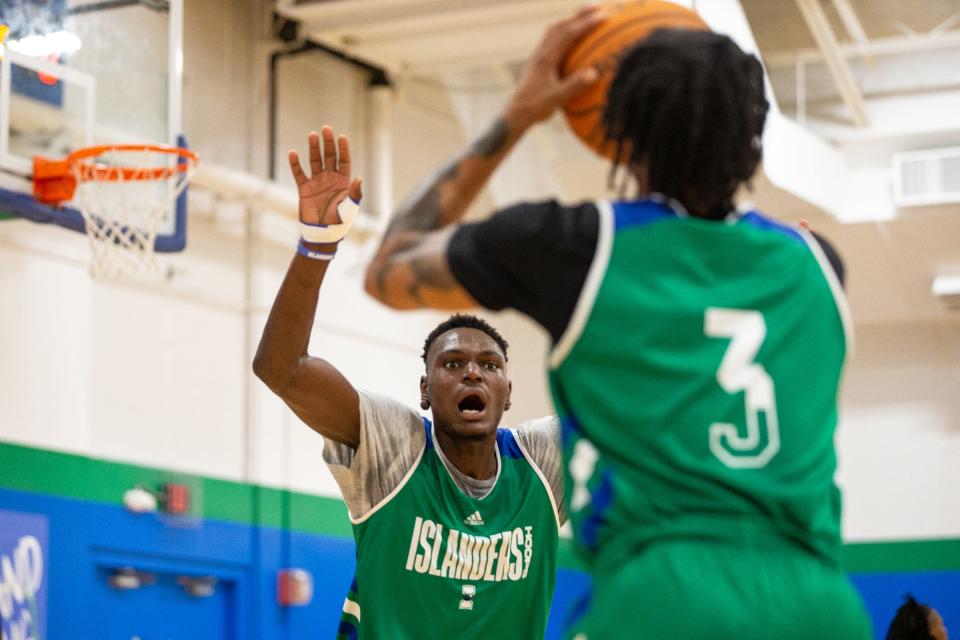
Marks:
<point>534,257</point>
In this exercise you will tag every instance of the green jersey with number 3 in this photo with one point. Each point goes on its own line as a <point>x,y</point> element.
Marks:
<point>433,562</point>
<point>697,385</point>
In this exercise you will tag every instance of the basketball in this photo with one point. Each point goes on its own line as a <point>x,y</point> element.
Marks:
<point>627,23</point>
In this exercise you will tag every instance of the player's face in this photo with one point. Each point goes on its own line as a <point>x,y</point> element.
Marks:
<point>466,383</point>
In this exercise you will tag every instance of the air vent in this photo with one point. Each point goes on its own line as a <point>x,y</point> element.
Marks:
<point>926,177</point>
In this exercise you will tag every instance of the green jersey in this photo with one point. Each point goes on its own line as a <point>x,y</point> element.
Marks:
<point>433,562</point>
<point>697,386</point>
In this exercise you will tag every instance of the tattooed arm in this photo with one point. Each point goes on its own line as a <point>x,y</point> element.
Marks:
<point>410,270</point>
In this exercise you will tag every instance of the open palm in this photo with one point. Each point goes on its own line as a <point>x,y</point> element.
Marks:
<point>329,182</point>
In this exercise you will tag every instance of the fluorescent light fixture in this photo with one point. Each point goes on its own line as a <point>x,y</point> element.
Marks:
<point>42,46</point>
<point>946,285</point>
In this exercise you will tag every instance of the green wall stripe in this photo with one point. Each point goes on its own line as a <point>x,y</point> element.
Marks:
<point>912,555</point>
<point>860,557</point>
<point>83,478</point>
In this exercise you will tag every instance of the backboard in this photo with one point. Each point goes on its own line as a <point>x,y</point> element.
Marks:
<point>81,72</point>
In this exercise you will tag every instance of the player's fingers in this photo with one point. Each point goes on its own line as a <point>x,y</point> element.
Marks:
<point>581,24</point>
<point>356,189</point>
<point>343,144</point>
<point>329,149</point>
<point>587,9</point>
<point>590,13</point>
<point>572,29</point>
<point>575,84</point>
<point>314,143</point>
<point>295,168</point>
<point>556,29</point>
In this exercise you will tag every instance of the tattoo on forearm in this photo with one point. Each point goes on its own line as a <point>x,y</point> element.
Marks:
<point>426,274</point>
<point>381,268</point>
<point>438,202</point>
<point>492,142</point>
<point>380,277</point>
<point>422,211</point>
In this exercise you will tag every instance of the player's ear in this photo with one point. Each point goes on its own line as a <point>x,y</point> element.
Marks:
<point>506,407</point>
<point>424,398</point>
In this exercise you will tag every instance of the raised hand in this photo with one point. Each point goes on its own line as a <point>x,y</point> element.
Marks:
<point>541,90</point>
<point>329,182</point>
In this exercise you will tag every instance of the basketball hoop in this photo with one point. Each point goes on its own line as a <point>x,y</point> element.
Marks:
<point>124,191</point>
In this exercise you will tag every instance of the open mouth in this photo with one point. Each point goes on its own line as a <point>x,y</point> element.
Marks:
<point>471,406</point>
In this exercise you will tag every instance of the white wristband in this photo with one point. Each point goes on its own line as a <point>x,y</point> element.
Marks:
<point>347,209</point>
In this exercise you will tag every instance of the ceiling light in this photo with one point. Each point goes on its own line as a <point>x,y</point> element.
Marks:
<point>946,288</point>
<point>42,46</point>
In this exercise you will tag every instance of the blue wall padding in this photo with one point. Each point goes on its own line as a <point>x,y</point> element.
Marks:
<point>883,594</point>
<point>89,540</point>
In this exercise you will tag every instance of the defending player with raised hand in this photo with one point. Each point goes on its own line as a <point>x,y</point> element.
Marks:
<point>456,520</point>
<point>697,349</point>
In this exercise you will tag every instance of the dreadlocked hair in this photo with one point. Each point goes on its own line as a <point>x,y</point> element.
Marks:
<point>464,320</point>
<point>911,621</point>
<point>689,108</point>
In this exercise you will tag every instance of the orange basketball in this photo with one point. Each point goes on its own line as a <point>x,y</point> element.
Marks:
<point>626,24</point>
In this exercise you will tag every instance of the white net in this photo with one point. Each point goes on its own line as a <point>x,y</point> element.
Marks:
<point>127,195</point>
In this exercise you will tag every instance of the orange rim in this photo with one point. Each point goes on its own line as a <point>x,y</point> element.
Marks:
<point>93,171</point>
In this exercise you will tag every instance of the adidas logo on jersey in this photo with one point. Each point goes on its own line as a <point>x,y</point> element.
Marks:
<point>474,519</point>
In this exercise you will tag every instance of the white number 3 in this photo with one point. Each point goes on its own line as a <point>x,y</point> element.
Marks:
<point>738,372</point>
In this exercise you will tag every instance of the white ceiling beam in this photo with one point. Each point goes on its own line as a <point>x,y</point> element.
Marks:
<point>403,60</point>
<point>946,25</point>
<point>876,47</point>
<point>335,9</point>
<point>823,35</point>
<point>430,35</point>
<point>479,45</point>
<point>888,78</point>
<point>435,52</point>
<point>467,26</point>
<point>379,14</point>
<point>904,28</point>
<point>852,25</point>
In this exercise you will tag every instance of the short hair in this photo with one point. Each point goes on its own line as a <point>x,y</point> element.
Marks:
<point>690,107</point>
<point>912,621</point>
<point>467,321</point>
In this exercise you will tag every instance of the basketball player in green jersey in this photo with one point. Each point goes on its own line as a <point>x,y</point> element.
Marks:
<point>456,520</point>
<point>697,349</point>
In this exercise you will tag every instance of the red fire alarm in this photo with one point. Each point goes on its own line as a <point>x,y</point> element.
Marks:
<point>294,587</point>
<point>176,498</point>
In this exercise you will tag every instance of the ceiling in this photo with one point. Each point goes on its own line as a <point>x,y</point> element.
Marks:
<point>777,20</point>
<point>428,35</point>
<point>890,49</point>
<point>896,59</point>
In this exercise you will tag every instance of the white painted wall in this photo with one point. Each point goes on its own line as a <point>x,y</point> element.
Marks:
<point>900,436</point>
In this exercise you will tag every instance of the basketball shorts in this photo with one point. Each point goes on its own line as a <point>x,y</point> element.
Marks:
<point>696,590</point>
